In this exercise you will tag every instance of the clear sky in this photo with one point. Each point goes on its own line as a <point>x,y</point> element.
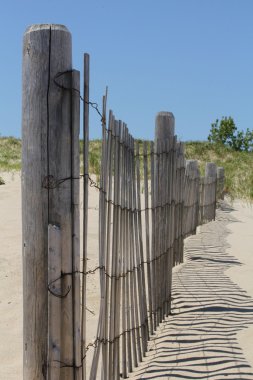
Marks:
<point>191,57</point>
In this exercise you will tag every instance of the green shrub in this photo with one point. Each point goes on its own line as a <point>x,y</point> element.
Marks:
<point>225,133</point>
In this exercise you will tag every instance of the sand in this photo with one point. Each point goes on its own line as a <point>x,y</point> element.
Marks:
<point>210,332</point>
<point>241,241</point>
<point>11,276</point>
<point>10,279</point>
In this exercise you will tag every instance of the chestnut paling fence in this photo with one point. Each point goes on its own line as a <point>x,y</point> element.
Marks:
<point>150,200</point>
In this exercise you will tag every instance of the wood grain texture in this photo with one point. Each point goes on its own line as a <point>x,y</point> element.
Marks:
<point>220,183</point>
<point>46,137</point>
<point>147,235</point>
<point>164,125</point>
<point>54,302</point>
<point>166,196</point>
<point>210,191</point>
<point>75,169</point>
<point>192,196</point>
<point>85,204</point>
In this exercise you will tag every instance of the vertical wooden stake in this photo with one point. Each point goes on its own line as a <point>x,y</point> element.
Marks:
<point>109,164</point>
<point>85,204</point>
<point>147,230</point>
<point>153,236</point>
<point>76,222</point>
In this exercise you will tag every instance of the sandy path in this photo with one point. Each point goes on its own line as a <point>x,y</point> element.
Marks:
<point>241,242</point>
<point>210,310</point>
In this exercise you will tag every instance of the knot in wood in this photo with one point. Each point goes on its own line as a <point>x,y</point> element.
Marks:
<point>49,182</point>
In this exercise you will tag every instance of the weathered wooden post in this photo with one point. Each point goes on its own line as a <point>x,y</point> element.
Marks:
<point>210,191</point>
<point>181,200</point>
<point>191,197</point>
<point>164,126</point>
<point>164,212</point>
<point>50,134</point>
<point>210,170</point>
<point>220,182</point>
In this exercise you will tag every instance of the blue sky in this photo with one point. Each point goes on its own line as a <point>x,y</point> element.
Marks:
<point>191,57</point>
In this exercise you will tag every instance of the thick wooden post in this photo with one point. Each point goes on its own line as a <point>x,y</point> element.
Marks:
<point>191,197</point>
<point>210,191</point>
<point>210,170</point>
<point>164,126</point>
<point>220,182</point>
<point>164,212</point>
<point>47,169</point>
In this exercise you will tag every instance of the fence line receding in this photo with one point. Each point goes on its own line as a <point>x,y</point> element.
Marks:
<point>150,200</point>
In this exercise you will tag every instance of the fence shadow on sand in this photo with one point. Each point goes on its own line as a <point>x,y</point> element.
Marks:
<point>198,341</point>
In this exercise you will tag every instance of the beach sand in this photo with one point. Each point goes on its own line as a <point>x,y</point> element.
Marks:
<point>232,235</point>
<point>241,245</point>
<point>11,276</point>
<point>209,334</point>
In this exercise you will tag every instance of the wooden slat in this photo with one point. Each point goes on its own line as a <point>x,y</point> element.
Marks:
<point>124,254</point>
<point>137,314</point>
<point>119,257</point>
<point>102,231</point>
<point>147,230</point>
<point>109,160</point>
<point>85,206</point>
<point>140,259</point>
<point>76,223</point>
<point>131,274</point>
<point>101,329</point>
<point>153,240</point>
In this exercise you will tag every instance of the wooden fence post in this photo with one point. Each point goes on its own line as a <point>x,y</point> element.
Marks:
<point>47,170</point>
<point>210,170</point>
<point>191,197</point>
<point>210,191</point>
<point>164,126</point>
<point>179,203</point>
<point>164,212</point>
<point>181,200</point>
<point>220,182</point>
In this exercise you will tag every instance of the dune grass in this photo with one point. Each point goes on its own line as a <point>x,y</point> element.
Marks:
<point>238,165</point>
<point>10,154</point>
